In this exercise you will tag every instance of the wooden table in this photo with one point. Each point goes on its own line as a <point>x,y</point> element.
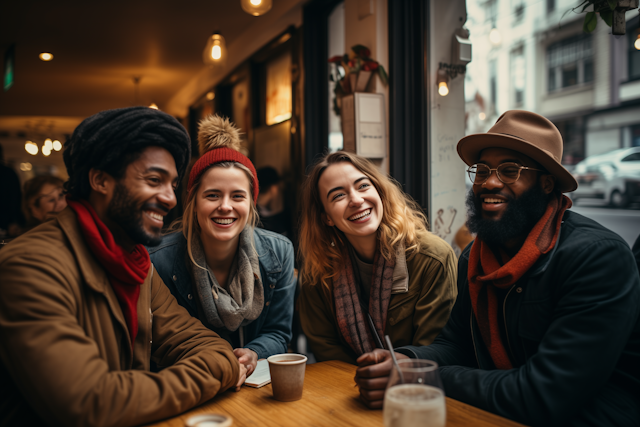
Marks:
<point>330,398</point>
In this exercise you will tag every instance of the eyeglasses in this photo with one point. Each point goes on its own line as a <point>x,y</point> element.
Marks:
<point>508,173</point>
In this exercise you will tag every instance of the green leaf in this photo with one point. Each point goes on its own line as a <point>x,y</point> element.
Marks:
<point>607,17</point>
<point>383,75</point>
<point>612,6</point>
<point>590,22</point>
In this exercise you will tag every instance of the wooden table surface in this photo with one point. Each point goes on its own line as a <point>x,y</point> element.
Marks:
<point>330,398</point>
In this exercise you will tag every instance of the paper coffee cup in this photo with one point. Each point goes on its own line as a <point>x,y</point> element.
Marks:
<point>287,375</point>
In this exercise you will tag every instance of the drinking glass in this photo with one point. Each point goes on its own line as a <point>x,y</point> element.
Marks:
<point>417,399</point>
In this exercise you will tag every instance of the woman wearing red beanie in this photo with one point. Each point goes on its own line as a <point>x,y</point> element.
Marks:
<point>236,278</point>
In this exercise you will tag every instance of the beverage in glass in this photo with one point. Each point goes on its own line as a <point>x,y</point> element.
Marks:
<point>416,397</point>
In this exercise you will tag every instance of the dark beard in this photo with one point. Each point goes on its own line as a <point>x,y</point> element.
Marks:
<point>127,213</point>
<point>518,219</point>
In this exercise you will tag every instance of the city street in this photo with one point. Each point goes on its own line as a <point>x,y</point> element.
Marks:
<point>625,222</point>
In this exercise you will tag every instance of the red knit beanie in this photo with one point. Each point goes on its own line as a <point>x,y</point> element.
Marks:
<point>219,140</point>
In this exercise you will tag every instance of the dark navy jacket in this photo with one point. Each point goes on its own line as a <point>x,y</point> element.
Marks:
<point>270,333</point>
<point>573,336</point>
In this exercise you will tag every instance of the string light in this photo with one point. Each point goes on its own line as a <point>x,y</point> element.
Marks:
<point>46,56</point>
<point>57,145</point>
<point>31,148</point>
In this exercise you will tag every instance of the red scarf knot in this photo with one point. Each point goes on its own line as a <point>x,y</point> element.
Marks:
<point>126,271</point>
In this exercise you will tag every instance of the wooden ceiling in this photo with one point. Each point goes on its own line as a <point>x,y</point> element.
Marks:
<point>99,48</point>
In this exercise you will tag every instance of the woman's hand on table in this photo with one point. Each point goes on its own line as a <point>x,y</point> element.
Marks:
<point>248,358</point>
<point>372,376</point>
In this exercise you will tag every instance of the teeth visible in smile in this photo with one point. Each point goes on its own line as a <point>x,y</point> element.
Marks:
<point>155,215</point>
<point>360,215</point>
<point>223,221</point>
<point>487,200</point>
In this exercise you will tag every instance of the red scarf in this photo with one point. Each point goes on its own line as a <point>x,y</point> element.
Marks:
<point>126,271</point>
<point>486,274</point>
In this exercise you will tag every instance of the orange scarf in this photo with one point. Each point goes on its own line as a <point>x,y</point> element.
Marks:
<point>486,274</point>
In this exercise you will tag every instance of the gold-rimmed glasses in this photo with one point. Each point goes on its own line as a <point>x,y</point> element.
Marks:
<point>508,172</point>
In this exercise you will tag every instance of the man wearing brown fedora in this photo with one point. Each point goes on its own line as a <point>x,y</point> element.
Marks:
<point>546,328</point>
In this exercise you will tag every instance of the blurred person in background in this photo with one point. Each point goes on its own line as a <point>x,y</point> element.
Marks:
<point>236,278</point>
<point>82,310</point>
<point>11,218</point>
<point>546,327</point>
<point>271,206</point>
<point>370,266</point>
<point>43,199</point>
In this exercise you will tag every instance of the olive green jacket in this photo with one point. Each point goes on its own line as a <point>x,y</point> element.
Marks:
<point>66,356</point>
<point>423,293</point>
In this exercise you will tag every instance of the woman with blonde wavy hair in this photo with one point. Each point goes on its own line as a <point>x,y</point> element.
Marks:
<point>370,266</point>
<point>236,278</point>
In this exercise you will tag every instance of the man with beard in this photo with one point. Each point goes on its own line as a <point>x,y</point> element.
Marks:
<point>546,327</point>
<point>83,312</point>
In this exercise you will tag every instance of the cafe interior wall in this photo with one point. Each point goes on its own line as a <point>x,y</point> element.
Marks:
<point>447,213</point>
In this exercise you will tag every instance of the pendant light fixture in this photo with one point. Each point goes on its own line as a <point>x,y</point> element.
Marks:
<point>215,53</point>
<point>256,7</point>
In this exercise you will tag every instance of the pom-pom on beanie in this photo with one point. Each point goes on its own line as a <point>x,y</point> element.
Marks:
<point>219,141</point>
<point>104,138</point>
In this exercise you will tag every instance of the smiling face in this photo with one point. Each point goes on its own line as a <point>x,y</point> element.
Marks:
<point>351,202</point>
<point>144,195</point>
<point>504,214</point>
<point>49,202</point>
<point>223,203</point>
<point>494,195</point>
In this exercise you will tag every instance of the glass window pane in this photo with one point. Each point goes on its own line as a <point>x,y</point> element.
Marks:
<point>552,80</point>
<point>570,76</point>
<point>588,71</point>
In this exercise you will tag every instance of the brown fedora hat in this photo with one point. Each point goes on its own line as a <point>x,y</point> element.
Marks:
<point>527,133</point>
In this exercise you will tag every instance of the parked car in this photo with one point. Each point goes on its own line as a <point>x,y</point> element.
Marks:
<point>613,177</point>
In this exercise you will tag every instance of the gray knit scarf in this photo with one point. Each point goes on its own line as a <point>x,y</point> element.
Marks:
<point>242,300</point>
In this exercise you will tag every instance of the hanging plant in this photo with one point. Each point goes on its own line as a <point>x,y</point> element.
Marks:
<point>610,11</point>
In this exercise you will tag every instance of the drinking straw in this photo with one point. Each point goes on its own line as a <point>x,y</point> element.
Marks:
<point>393,357</point>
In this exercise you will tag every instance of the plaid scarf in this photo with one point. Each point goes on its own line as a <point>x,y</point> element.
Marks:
<point>352,322</point>
<point>486,274</point>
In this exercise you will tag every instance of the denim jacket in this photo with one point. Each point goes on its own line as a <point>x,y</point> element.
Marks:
<point>270,333</point>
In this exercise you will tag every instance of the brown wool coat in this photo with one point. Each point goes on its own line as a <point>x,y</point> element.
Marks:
<point>65,351</point>
<point>415,316</point>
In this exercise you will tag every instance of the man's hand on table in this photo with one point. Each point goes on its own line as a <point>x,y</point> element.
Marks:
<point>372,376</point>
<point>248,358</point>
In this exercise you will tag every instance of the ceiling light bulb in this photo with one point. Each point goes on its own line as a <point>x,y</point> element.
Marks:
<point>31,148</point>
<point>210,96</point>
<point>46,56</point>
<point>494,37</point>
<point>637,43</point>
<point>46,151</point>
<point>57,145</point>
<point>216,52</point>
<point>443,89</point>
<point>48,143</point>
<point>256,7</point>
